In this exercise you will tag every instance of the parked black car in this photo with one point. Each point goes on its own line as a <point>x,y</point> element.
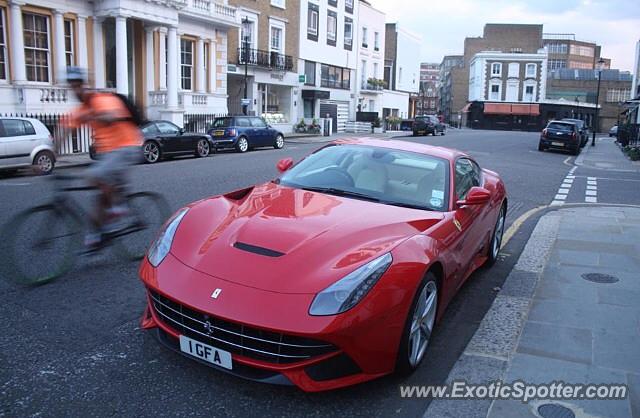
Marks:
<point>244,133</point>
<point>562,135</point>
<point>425,125</point>
<point>164,139</point>
<point>582,129</point>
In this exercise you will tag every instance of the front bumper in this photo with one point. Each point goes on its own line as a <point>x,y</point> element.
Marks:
<point>364,340</point>
<point>224,142</point>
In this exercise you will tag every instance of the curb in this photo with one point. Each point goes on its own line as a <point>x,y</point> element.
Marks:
<point>488,353</point>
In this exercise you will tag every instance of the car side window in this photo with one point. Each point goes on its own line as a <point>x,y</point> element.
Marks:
<point>258,123</point>
<point>150,129</point>
<point>17,127</point>
<point>466,177</point>
<point>243,122</point>
<point>167,128</point>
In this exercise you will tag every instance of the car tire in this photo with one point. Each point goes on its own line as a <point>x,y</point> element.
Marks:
<point>577,150</point>
<point>279,143</point>
<point>496,237</point>
<point>422,315</point>
<point>242,145</point>
<point>44,162</point>
<point>152,153</point>
<point>541,147</point>
<point>203,148</point>
<point>444,132</point>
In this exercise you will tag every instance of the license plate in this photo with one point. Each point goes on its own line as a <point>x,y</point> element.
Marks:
<point>558,144</point>
<point>205,352</point>
<point>218,133</point>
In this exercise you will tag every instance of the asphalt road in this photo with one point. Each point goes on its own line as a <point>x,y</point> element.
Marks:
<point>74,347</point>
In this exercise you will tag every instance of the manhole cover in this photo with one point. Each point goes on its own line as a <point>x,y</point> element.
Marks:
<point>551,410</point>
<point>599,278</point>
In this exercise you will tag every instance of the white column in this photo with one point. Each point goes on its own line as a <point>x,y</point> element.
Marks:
<point>150,61</point>
<point>178,61</point>
<point>200,77</point>
<point>162,52</point>
<point>98,54</point>
<point>59,59</point>
<point>122,72</point>
<point>172,68</point>
<point>83,57</point>
<point>212,66</point>
<point>17,47</point>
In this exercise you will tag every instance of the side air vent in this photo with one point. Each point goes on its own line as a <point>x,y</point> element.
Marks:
<point>257,250</point>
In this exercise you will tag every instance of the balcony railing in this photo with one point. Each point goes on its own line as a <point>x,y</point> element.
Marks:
<point>210,8</point>
<point>265,59</point>
<point>372,87</point>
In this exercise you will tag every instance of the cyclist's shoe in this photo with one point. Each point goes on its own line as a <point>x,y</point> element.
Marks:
<point>92,240</point>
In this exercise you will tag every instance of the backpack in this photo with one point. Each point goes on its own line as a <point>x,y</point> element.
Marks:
<point>134,110</point>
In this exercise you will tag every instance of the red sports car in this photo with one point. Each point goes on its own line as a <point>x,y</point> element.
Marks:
<point>334,273</point>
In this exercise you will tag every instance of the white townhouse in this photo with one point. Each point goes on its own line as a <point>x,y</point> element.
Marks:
<point>370,83</point>
<point>168,55</point>
<point>328,58</point>
<point>508,77</point>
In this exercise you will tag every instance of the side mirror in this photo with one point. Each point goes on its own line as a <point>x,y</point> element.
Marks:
<point>182,131</point>
<point>284,164</point>
<point>475,196</point>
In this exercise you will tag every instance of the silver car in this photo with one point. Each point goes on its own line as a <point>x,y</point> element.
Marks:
<point>26,142</point>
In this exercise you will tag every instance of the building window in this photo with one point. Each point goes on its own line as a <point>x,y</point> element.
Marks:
<point>495,92</point>
<point>531,70</point>
<point>333,3</point>
<point>363,73</point>
<point>618,95</point>
<point>36,46</point>
<point>332,27</point>
<point>556,64</point>
<point>310,73</point>
<point>278,3</point>
<point>348,6</point>
<point>276,39</point>
<point>68,43</point>
<point>528,93</point>
<point>365,38</point>
<point>312,22</point>
<point>514,70</point>
<point>584,51</point>
<point>248,31</point>
<point>186,64</point>
<point>496,69</point>
<point>581,65</point>
<point>558,48</point>
<point>348,33</point>
<point>376,41</point>
<point>335,77</point>
<point>3,46</point>
<point>375,70</point>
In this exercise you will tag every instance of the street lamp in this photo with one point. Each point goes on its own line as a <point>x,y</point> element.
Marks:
<point>245,56</point>
<point>596,123</point>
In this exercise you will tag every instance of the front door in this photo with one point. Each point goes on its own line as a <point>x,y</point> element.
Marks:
<point>330,110</point>
<point>171,138</point>
<point>261,133</point>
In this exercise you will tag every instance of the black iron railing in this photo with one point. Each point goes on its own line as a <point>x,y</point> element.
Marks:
<point>265,59</point>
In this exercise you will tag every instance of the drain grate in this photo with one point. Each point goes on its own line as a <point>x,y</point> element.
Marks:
<point>600,278</point>
<point>551,410</point>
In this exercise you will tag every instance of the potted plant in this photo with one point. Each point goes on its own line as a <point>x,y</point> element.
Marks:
<point>314,127</point>
<point>377,126</point>
<point>300,127</point>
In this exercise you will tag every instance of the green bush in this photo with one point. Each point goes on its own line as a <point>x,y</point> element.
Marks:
<point>634,154</point>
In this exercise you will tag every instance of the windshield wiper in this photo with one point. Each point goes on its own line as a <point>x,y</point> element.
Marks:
<point>407,205</point>
<point>341,192</point>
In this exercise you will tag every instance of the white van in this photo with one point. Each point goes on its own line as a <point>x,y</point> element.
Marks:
<point>25,142</point>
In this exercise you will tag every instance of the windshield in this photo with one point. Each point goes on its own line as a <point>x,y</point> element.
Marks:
<point>386,176</point>
<point>564,127</point>
<point>222,123</point>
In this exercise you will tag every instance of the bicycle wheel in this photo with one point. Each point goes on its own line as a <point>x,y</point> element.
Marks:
<point>148,212</point>
<point>41,244</point>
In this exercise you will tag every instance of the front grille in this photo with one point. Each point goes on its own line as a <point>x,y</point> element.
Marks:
<point>237,338</point>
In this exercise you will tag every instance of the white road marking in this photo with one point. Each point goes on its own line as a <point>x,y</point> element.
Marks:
<point>569,181</point>
<point>561,197</point>
<point>557,203</point>
<point>591,199</point>
<point>590,187</point>
<point>563,190</point>
<point>591,193</point>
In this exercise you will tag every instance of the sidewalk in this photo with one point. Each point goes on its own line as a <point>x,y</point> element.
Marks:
<point>72,160</point>
<point>606,155</point>
<point>552,322</point>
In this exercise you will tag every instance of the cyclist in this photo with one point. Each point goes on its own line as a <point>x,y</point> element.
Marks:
<point>117,141</point>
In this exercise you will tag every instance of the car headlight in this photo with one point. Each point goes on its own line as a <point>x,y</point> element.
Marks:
<point>348,291</point>
<point>161,246</point>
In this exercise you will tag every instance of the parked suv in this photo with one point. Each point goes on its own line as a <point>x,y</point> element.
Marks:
<point>425,125</point>
<point>582,128</point>
<point>244,133</point>
<point>560,134</point>
<point>25,142</point>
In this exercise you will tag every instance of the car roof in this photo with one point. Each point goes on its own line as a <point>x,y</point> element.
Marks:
<point>572,120</point>
<point>440,152</point>
<point>20,118</point>
<point>564,122</point>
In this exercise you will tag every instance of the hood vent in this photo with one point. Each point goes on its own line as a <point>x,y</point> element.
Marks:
<point>257,250</point>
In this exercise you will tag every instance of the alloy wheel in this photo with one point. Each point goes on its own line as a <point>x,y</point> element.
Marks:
<point>423,320</point>
<point>44,163</point>
<point>243,145</point>
<point>279,142</point>
<point>497,235</point>
<point>203,148</point>
<point>151,152</point>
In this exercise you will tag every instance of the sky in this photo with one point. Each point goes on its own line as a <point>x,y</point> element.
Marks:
<point>443,25</point>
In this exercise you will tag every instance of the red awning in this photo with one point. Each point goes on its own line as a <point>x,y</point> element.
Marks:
<point>512,109</point>
<point>466,108</point>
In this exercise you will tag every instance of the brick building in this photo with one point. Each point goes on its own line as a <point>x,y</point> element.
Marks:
<point>565,51</point>
<point>272,31</point>
<point>452,94</point>
<point>428,97</point>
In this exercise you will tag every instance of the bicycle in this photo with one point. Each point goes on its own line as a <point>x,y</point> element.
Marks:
<point>59,231</point>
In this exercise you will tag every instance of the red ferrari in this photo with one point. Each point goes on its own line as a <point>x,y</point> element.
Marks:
<point>334,273</point>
